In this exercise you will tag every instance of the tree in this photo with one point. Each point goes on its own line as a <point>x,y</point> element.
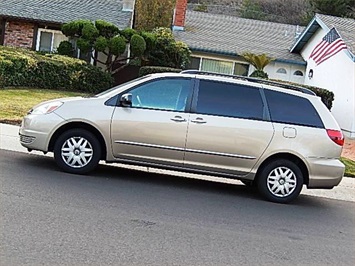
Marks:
<point>339,8</point>
<point>251,9</point>
<point>150,14</point>
<point>105,37</point>
<point>282,11</point>
<point>168,52</point>
<point>259,62</point>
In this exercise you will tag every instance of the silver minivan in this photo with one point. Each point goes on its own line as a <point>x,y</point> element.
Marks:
<point>277,139</point>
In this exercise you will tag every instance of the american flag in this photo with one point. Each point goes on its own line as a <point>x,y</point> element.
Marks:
<point>330,45</point>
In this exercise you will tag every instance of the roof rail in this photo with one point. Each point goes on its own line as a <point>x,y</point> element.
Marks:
<point>256,80</point>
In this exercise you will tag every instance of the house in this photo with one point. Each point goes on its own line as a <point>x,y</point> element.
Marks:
<point>36,24</point>
<point>217,42</point>
<point>337,72</point>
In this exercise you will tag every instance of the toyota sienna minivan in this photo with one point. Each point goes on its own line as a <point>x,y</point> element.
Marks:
<point>277,139</point>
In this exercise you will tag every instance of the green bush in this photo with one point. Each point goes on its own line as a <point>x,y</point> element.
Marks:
<point>20,67</point>
<point>66,48</point>
<point>326,96</point>
<point>259,74</point>
<point>146,70</point>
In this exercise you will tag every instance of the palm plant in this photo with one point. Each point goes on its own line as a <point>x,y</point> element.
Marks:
<point>259,62</point>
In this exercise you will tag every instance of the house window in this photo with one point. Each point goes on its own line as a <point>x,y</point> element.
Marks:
<point>281,71</point>
<point>298,73</point>
<point>49,40</point>
<point>87,57</point>
<point>195,63</point>
<point>217,66</point>
<point>241,69</point>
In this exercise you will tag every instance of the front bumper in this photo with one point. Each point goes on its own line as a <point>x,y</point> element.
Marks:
<point>325,173</point>
<point>36,130</point>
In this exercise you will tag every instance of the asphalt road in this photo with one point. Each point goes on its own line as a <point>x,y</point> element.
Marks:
<point>123,217</point>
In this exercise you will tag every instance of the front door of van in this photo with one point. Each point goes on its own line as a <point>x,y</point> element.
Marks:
<point>228,132</point>
<point>154,128</point>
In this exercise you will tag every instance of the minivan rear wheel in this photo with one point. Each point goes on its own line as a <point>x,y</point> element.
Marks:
<point>77,151</point>
<point>280,181</point>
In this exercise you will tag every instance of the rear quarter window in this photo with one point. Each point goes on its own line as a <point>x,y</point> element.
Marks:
<point>292,109</point>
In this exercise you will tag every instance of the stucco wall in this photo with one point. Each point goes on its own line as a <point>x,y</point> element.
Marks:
<point>290,69</point>
<point>336,74</point>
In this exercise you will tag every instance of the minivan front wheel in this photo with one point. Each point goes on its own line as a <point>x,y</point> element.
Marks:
<point>77,151</point>
<point>280,181</point>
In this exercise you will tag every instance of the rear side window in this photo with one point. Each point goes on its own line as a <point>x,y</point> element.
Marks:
<point>232,100</point>
<point>291,109</point>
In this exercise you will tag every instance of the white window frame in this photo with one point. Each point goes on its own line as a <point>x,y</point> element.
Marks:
<point>52,41</point>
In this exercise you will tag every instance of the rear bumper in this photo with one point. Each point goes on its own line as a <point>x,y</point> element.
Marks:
<point>325,173</point>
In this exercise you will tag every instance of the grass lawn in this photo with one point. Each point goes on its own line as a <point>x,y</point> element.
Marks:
<point>15,103</point>
<point>349,167</point>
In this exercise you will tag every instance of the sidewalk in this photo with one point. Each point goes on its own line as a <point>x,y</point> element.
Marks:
<point>9,140</point>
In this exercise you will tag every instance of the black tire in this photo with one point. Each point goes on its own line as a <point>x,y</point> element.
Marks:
<point>80,158</point>
<point>280,181</point>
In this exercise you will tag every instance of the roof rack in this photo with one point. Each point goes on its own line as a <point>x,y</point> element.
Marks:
<point>256,80</point>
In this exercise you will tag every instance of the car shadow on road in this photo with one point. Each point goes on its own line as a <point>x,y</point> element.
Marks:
<point>142,177</point>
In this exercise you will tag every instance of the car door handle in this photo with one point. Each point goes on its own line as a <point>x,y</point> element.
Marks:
<point>198,120</point>
<point>178,119</point>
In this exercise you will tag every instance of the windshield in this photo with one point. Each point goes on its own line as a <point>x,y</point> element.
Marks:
<point>119,86</point>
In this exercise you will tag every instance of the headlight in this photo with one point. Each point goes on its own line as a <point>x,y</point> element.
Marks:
<point>45,108</point>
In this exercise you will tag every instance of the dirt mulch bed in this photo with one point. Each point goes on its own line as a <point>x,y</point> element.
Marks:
<point>349,149</point>
<point>11,122</point>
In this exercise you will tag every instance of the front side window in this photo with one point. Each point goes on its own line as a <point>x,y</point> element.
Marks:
<point>291,109</point>
<point>231,100</point>
<point>164,94</point>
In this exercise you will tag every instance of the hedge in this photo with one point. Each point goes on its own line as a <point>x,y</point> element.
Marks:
<point>146,70</point>
<point>25,68</point>
<point>326,96</point>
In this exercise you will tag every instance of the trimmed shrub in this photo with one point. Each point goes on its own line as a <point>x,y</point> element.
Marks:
<point>66,48</point>
<point>20,67</point>
<point>146,70</point>
<point>259,74</point>
<point>326,96</point>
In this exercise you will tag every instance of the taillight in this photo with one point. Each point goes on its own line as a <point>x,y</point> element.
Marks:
<point>336,136</point>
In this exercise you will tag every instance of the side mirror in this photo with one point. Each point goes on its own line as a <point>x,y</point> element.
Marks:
<point>126,100</point>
